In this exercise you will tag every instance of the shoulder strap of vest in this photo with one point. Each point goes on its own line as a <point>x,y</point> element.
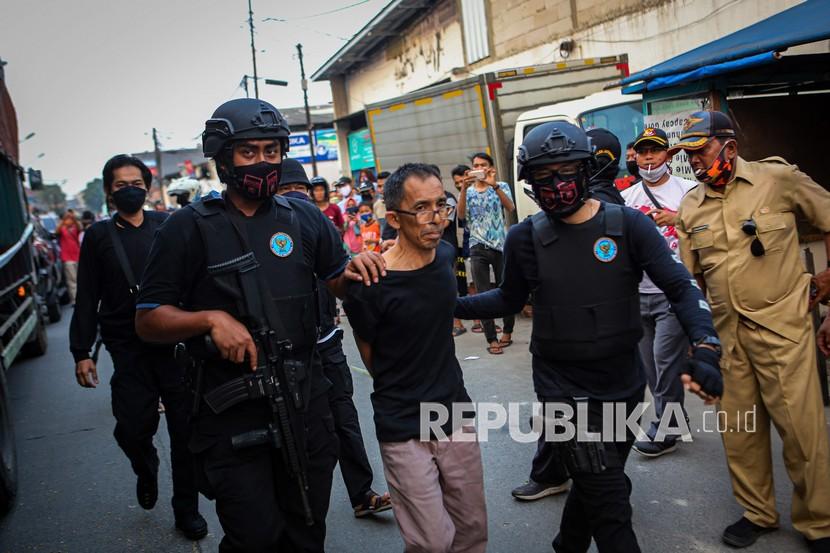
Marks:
<point>285,212</point>
<point>543,228</point>
<point>121,255</point>
<point>613,219</point>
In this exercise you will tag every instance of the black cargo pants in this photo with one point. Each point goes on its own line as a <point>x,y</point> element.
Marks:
<point>258,504</point>
<point>142,376</point>
<point>598,504</point>
<point>354,463</point>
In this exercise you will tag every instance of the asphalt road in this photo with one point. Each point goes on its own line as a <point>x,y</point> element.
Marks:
<point>77,489</point>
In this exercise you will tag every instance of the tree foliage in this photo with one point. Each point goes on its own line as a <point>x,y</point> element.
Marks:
<point>93,195</point>
<point>51,198</point>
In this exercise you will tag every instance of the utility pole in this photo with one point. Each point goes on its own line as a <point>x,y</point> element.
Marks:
<point>253,49</point>
<point>311,144</point>
<point>159,174</point>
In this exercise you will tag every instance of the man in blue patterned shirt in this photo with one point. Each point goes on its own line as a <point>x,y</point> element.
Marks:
<point>483,202</point>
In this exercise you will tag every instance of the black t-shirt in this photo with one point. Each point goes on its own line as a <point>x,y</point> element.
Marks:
<point>103,296</point>
<point>176,268</point>
<point>407,319</point>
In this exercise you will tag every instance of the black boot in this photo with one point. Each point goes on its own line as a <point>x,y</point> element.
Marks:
<point>147,491</point>
<point>744,533</point>
<point>192,525</point>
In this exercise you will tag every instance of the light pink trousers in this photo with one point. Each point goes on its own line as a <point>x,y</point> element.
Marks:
<point>437,491</point>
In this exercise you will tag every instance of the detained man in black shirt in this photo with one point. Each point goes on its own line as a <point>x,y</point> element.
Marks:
<point>144,373</point>
<point>237,265</point>
<point>403,329</point>
<point>583,260</point>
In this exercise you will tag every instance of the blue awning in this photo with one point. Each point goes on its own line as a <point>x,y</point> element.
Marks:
<point>702,73</point>
<point>802,24</point>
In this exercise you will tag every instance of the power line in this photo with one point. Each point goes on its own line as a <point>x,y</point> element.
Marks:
<point>309,29</point>
<point>336,10</point>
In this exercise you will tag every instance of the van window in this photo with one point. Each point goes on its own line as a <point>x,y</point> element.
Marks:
<point>624,120</point>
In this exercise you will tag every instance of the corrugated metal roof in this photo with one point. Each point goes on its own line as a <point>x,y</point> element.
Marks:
<point>387,24</point>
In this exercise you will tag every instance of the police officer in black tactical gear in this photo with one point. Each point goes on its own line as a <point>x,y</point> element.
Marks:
<point>606,165</point>
<point>354,463</point>
<point>234,277</point>
<point>582,260</point>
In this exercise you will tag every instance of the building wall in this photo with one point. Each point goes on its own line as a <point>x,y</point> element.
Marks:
<point>423,55</point>
<point>528,32</point>
<point>649,32</point>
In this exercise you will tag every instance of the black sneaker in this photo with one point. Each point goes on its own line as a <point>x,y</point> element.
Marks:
<point>654,449</point>
<point>821,545</point>
<point>192,525</point>
<point>532,490</point>
<point>744,533</point>
<point>147,491</point>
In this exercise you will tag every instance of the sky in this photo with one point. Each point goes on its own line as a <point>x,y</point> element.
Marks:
<point>91,78</point>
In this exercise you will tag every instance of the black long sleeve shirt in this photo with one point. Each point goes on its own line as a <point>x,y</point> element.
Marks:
<point>103,298</point>
<point>607,379</point>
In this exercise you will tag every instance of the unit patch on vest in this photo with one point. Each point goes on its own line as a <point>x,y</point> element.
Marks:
<point>605,249</point>
<point>282,245</point>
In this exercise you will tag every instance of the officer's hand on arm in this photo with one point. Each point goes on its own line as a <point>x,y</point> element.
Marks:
<point>86,373</point>
<point>232,338</point>
<point>703,376</point>
<point>823,336</point>
<point>822,289</point>
<point>367,267</point>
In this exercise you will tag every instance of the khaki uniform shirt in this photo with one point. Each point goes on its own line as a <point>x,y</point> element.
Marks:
<point>771,290</point>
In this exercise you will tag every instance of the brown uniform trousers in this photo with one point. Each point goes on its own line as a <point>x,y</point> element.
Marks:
<point>759,306</point>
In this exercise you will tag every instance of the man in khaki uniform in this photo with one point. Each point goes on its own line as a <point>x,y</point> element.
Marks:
<point>738,238</point>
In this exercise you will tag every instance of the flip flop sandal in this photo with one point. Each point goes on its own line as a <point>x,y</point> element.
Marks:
<point>505,343</point>
<point>495,350</point>
<point>477,328</point>
<point>374,503</point>
<point>458,331</point>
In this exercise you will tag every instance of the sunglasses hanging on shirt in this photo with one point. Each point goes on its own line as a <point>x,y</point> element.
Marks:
<point>750,228</point>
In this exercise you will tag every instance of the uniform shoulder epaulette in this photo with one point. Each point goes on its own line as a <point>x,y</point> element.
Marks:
<point>774,159</point>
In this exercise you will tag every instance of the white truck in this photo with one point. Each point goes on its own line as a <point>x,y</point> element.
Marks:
<point>445,123</point>
<point>610,109</point>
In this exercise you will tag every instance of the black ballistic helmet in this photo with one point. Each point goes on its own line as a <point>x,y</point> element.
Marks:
<point>243,118</point>
<point>552,142</point>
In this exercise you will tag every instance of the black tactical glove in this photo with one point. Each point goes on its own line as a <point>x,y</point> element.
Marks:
<point>704,368</point>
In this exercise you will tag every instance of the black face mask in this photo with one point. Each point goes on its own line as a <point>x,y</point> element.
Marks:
<point>258,181</point>
<point>560,197</point>
<point>633,168</point>
<point>297,195</point>
<point>129,199</point>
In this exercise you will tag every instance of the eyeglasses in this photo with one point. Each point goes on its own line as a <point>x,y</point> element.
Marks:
<point>750,228</point>
<point>428,215</point>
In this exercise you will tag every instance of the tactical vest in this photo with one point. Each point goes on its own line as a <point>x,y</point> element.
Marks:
<point>272,246</point>
<point>587,304</point>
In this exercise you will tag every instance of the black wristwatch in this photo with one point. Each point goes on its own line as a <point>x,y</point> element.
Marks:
<point>709,341</point>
